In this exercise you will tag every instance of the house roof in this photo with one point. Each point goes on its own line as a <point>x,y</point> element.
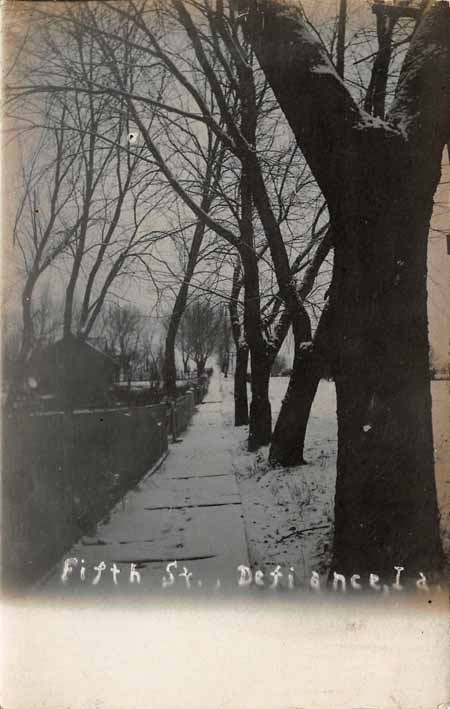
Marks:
<point>67,342</point>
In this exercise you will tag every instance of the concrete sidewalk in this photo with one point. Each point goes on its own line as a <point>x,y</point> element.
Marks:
<point>189,511</point>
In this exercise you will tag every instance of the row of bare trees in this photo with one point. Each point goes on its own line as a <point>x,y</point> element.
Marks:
<point>277,168</point>
<point>139,350</point>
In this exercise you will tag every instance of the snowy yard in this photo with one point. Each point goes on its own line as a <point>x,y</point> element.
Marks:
<point>289,512</point>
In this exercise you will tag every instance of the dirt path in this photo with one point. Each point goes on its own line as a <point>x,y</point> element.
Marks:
<point>188,511</point>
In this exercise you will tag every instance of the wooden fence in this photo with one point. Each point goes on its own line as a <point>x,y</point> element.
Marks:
<point>62,472</point>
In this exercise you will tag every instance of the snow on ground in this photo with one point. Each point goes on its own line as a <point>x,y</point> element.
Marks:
<point>288,512</point>
<point>188,513</point>
<point>213,506</point>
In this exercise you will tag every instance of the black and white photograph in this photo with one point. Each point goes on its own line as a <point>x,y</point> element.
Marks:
<point>225,354</point>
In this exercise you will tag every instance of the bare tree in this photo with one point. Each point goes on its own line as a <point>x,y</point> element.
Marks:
<point>184,344</point>
<point>40,233</point>
<point>46,316</point>
<point>211,174</point>
<point>85,209</point>
<point>224,342</point>
<point>122,329</point>
<point>152,358</point>
<point>119,189</point>
<point>202,323</point>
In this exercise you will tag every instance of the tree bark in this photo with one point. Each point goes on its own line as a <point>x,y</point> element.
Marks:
<point>310,365</point>
<point>342,27</point>
<point>386,508</point>
<point>242,352</point>
<point>375,100</point>
<point>240,386</point>
<point>260,422</point>
<point>290,430</point>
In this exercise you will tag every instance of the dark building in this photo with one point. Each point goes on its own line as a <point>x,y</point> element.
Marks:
<point>72,372</point>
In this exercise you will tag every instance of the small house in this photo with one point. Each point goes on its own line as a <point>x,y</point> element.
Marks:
<point>72,372</point>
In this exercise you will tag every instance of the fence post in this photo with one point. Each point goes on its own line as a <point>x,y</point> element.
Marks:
<point>173,420</point>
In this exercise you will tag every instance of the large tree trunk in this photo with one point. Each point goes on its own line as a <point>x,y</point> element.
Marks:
<point>310,364</point>
<point>288,440</point>
<point>260,424</point>
<point>260,421</point>
<point>169,366</point>
<point>240,386</point>
<point>385,507</point>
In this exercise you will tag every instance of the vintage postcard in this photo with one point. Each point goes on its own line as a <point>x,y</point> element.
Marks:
<point>225,354</point>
